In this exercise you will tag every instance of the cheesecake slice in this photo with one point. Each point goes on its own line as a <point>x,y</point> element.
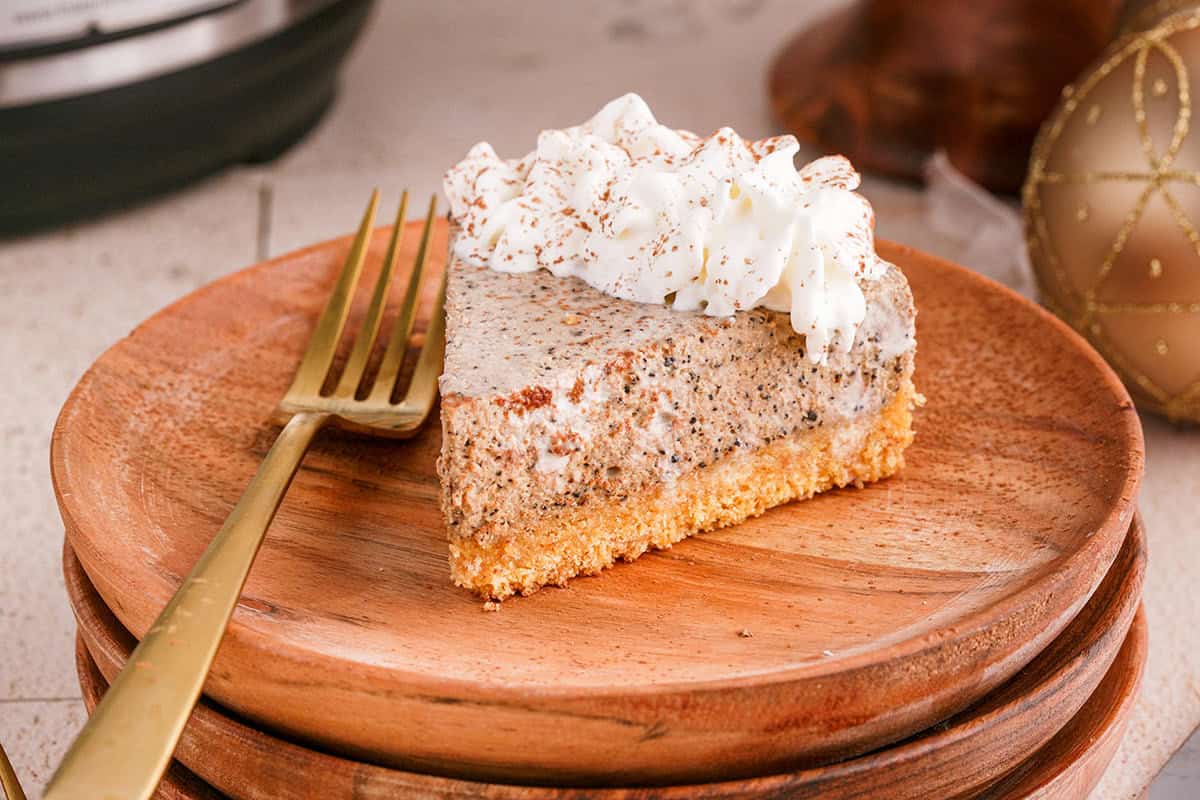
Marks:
<point>579,429</point>
<point>606,392</point>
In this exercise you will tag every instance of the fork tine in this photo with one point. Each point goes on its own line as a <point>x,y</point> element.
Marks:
<point>322,346</point>
<point>365,341</point>
<point>423,388</point>
<point>397,347</point>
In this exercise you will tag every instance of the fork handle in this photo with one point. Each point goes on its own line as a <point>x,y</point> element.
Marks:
<point>8,779</point>
<point>127,744</point>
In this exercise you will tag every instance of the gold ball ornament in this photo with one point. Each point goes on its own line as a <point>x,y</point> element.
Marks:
<point>1112,213</point>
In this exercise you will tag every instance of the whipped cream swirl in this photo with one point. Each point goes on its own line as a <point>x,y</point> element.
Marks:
<point>654,215</point>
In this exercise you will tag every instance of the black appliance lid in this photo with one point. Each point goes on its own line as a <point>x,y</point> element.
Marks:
<point>109,57</point>
<point>27,24</point>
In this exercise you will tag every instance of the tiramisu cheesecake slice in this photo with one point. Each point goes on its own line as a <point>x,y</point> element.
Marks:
<point>651,334</point>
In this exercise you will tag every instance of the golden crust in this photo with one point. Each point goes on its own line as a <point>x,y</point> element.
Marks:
<point>586,539</point>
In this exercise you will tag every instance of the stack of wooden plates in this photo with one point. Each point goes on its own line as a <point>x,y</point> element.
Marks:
<point>968,628</point>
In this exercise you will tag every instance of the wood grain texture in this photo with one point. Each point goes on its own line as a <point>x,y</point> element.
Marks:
<point>889,82</point>
<point>1070,766</point>
<point>1067,768</point>
<point>967,753</point>
<point>870,613</point>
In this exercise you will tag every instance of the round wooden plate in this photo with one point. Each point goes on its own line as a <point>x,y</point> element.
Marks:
<point>1072,763</point>
<point>1067,768</point>
<point>871,613</point>
<point>965,755</point>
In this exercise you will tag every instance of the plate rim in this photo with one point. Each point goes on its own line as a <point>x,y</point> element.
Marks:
<point>179,779</point>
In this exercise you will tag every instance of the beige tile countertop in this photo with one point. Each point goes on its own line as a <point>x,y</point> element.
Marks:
<point>427,81</point>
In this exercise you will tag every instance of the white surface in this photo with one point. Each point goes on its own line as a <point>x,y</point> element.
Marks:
<point>1180,779</point>
<point>429,80</point>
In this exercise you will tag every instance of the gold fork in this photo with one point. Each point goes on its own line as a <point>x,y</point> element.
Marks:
<point>127,744</point>
<point>8,779</point>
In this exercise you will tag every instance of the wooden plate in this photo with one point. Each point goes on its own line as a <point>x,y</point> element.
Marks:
<point>1067,768</point>
<point>873,613</point>
<point>960,757</point>
<point>1071,765</point>
<point>965,754</point>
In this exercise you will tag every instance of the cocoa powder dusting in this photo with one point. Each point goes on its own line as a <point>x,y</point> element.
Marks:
<point>527,399</point>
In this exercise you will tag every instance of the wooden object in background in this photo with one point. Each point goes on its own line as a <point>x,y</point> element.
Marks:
<point>887,82</point>
<point>821,630</point>
<point>967,753</point>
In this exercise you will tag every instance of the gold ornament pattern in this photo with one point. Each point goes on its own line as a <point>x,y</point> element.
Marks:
<point>1086,307</point>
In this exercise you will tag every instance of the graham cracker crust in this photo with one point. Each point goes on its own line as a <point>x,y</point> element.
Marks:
<point>584,540</point>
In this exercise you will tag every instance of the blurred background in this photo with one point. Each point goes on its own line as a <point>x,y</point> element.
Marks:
<point>147,148</point>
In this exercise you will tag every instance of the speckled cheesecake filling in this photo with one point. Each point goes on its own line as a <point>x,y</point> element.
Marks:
<point>536,418</point>
<point>569,416</point>
<point>582,540</point>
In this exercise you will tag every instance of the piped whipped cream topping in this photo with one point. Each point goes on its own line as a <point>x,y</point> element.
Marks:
<point>654,215</point>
